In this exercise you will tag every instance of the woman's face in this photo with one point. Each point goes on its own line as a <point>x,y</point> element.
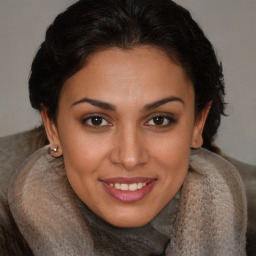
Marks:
<point>125,127</point>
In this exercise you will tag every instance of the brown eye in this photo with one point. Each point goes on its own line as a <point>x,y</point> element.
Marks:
<point>161,121</point>
<point>95,121</point>
<point>158,120</point>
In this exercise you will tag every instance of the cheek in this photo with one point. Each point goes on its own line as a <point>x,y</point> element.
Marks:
<point>83,163</point>
<point>173,156</point>
<point>172,150</point>
<point>84,153</point>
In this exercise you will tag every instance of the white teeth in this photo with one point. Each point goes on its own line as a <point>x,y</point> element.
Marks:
<point>124,186</point>
<point>133,187</point>
<point>117,185</point>
<point>130,187</point>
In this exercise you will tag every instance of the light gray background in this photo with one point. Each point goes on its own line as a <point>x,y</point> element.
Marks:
<point>229,24</point>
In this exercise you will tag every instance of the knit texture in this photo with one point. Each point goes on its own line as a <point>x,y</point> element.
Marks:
<point>210,219</point>
<point>14,149</point>
<point>212,216</point>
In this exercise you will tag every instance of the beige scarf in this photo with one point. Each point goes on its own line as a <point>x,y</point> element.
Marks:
<point>210,219</point>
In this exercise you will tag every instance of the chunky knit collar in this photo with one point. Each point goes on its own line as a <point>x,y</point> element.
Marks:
<point>150,239</point>
<point>210,217</point>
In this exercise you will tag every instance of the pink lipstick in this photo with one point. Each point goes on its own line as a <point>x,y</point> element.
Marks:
<point>128,189</point>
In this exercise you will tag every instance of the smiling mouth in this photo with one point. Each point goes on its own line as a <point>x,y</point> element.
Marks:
<point>128,189</point>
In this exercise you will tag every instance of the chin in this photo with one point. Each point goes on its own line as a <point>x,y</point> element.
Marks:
<point>129,223</point>
<point>129,220</point>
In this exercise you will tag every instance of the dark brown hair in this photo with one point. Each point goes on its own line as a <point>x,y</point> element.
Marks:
<point>92,24</point>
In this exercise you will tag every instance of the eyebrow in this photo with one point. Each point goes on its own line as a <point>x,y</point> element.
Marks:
<point>97,103</point>
<point>108,106</point>
<point>158,103</point>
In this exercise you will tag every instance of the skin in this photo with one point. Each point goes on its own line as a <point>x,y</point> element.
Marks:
<point>129,142</point>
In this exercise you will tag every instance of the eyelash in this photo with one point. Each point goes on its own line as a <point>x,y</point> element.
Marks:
<point>91,125</point>
<point>166,118</point>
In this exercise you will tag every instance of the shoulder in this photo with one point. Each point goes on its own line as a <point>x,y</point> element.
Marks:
<point>222,178</point>
<point>223,185</point>
<point>212,213</point>
<point>216,169</point>
<point>248,174</point>
<point>14,149</point>
<point>40,191</point>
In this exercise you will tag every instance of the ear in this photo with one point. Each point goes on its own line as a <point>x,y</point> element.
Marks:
<point>52,134</point>
<point>197,138</point>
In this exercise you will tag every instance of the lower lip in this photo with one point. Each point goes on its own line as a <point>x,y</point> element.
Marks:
<point>129,196</point>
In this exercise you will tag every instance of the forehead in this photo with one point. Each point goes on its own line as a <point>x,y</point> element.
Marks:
<point>143,72</point>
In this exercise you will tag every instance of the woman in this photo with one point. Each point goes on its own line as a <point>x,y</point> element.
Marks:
<point>128,92</point>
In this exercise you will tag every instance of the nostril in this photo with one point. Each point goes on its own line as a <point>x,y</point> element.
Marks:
<point>128,151</point>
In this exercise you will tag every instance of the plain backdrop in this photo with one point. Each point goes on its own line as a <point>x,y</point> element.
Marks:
<point>229,24</point>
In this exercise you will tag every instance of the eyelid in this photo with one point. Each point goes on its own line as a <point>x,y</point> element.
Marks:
<point>163,114</point>
<point>171,118</point>
<point>101,115</point>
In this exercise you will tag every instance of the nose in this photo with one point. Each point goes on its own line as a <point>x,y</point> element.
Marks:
<point>129,149</point>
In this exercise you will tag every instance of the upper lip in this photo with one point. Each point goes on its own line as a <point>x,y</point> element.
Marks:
<point>128,180</point>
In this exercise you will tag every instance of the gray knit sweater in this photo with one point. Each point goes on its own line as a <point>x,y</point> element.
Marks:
<point>208,217</point>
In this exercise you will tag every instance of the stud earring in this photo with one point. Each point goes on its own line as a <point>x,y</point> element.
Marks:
<point>55,149</point>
